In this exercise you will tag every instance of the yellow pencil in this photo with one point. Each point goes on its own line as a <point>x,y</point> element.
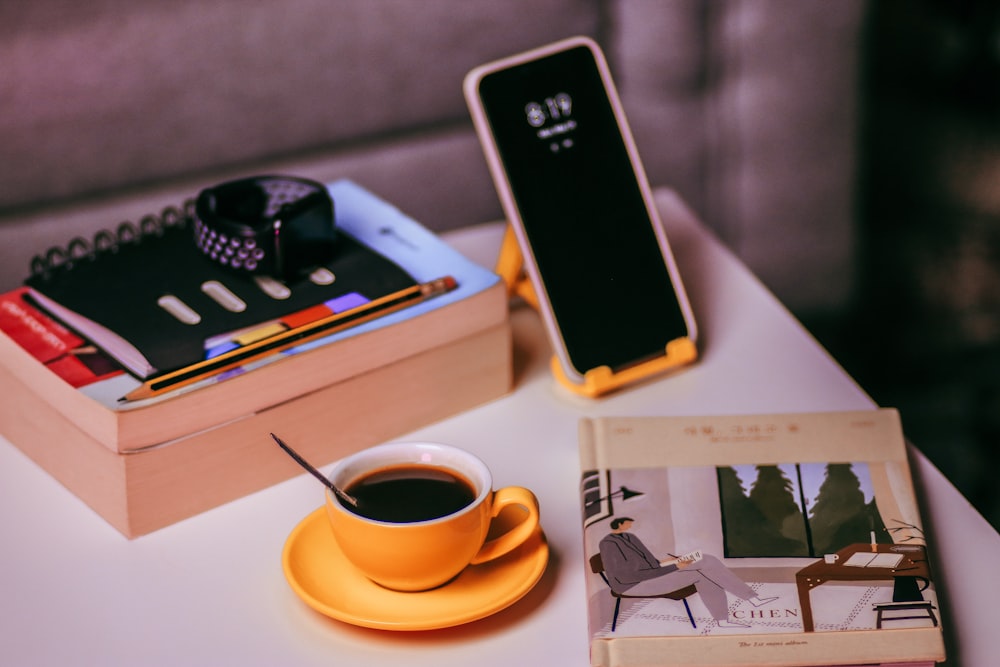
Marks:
<point>290,338</point>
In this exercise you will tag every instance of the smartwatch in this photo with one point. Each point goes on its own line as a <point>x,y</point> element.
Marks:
<point>280,226</point>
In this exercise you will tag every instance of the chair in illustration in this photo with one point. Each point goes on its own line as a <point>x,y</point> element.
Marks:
<point>907,597</point>
<point>682,594</point>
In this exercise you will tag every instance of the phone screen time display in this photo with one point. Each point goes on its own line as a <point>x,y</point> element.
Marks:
<point>582,210</point>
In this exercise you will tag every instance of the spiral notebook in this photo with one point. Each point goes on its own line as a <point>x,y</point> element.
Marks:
<point>147,297</point>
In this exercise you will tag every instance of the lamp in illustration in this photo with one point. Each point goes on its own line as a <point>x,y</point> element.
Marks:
<point>623,491</point>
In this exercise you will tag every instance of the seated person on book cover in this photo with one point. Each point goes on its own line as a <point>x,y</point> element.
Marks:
<point>632,568</point>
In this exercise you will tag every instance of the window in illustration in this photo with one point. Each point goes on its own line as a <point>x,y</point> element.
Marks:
<point>796,509</point>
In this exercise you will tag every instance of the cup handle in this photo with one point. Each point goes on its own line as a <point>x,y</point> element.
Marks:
<point>516,536</point>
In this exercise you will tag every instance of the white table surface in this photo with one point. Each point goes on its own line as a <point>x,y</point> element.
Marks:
<point>210,590</point>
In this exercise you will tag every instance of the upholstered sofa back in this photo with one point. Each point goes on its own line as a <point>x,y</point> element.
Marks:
<point>115,108</point>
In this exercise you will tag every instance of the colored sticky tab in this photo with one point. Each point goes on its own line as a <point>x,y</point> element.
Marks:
<point>260,333</point>
<point>305,316</point>
<point>346,302</point>
<point>231,373</point>
<point>221,348</point>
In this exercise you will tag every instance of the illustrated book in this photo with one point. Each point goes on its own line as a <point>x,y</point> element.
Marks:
<point>811,548</point>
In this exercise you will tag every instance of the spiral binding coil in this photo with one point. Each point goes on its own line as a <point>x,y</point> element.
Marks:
<point>79,249</point>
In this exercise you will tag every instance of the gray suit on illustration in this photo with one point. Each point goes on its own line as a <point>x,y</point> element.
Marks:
<point>632,568</point>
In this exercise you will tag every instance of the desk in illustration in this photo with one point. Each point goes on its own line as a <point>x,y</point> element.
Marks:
<point>905,565</point>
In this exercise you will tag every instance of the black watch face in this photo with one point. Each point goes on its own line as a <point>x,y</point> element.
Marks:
<point>243,201</point>
<point>278,225</point>
<point>582,209</point>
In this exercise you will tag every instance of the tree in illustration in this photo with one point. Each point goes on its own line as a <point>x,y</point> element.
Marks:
<point>773,494</point>
<point>839,515</point>
<point>748,532</point>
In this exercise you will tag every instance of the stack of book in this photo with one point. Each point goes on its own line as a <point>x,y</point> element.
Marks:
<point>147,463</point>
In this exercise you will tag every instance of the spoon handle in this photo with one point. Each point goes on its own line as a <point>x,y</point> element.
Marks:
<point>315,473</point>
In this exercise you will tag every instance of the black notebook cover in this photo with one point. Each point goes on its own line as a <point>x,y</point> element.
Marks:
<point>117,280</point>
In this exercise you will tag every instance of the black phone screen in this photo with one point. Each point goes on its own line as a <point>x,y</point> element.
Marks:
<point>582,210</point>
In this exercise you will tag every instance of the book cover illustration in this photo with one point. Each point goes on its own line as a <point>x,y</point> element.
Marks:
<point>804,528</point>
<point>63,352</point>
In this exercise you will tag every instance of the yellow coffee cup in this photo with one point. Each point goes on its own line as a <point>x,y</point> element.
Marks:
<point>424,513</point>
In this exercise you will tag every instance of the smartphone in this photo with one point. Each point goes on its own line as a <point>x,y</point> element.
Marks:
<point>571,184</point>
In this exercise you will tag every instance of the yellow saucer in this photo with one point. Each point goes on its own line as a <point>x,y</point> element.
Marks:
<point>321,575</point>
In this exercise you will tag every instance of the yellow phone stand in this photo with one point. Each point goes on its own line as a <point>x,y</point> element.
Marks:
<point>601,380</point>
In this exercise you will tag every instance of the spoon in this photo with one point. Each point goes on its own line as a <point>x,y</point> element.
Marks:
<point>343,495</point>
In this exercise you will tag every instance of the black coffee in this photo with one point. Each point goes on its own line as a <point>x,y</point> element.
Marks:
<point>408,493</point>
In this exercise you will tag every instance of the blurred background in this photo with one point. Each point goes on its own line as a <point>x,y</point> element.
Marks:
<point>922,332</point>
<point>848,152</point>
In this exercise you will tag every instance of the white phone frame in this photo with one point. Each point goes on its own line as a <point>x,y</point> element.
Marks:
<point>510,208</point>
